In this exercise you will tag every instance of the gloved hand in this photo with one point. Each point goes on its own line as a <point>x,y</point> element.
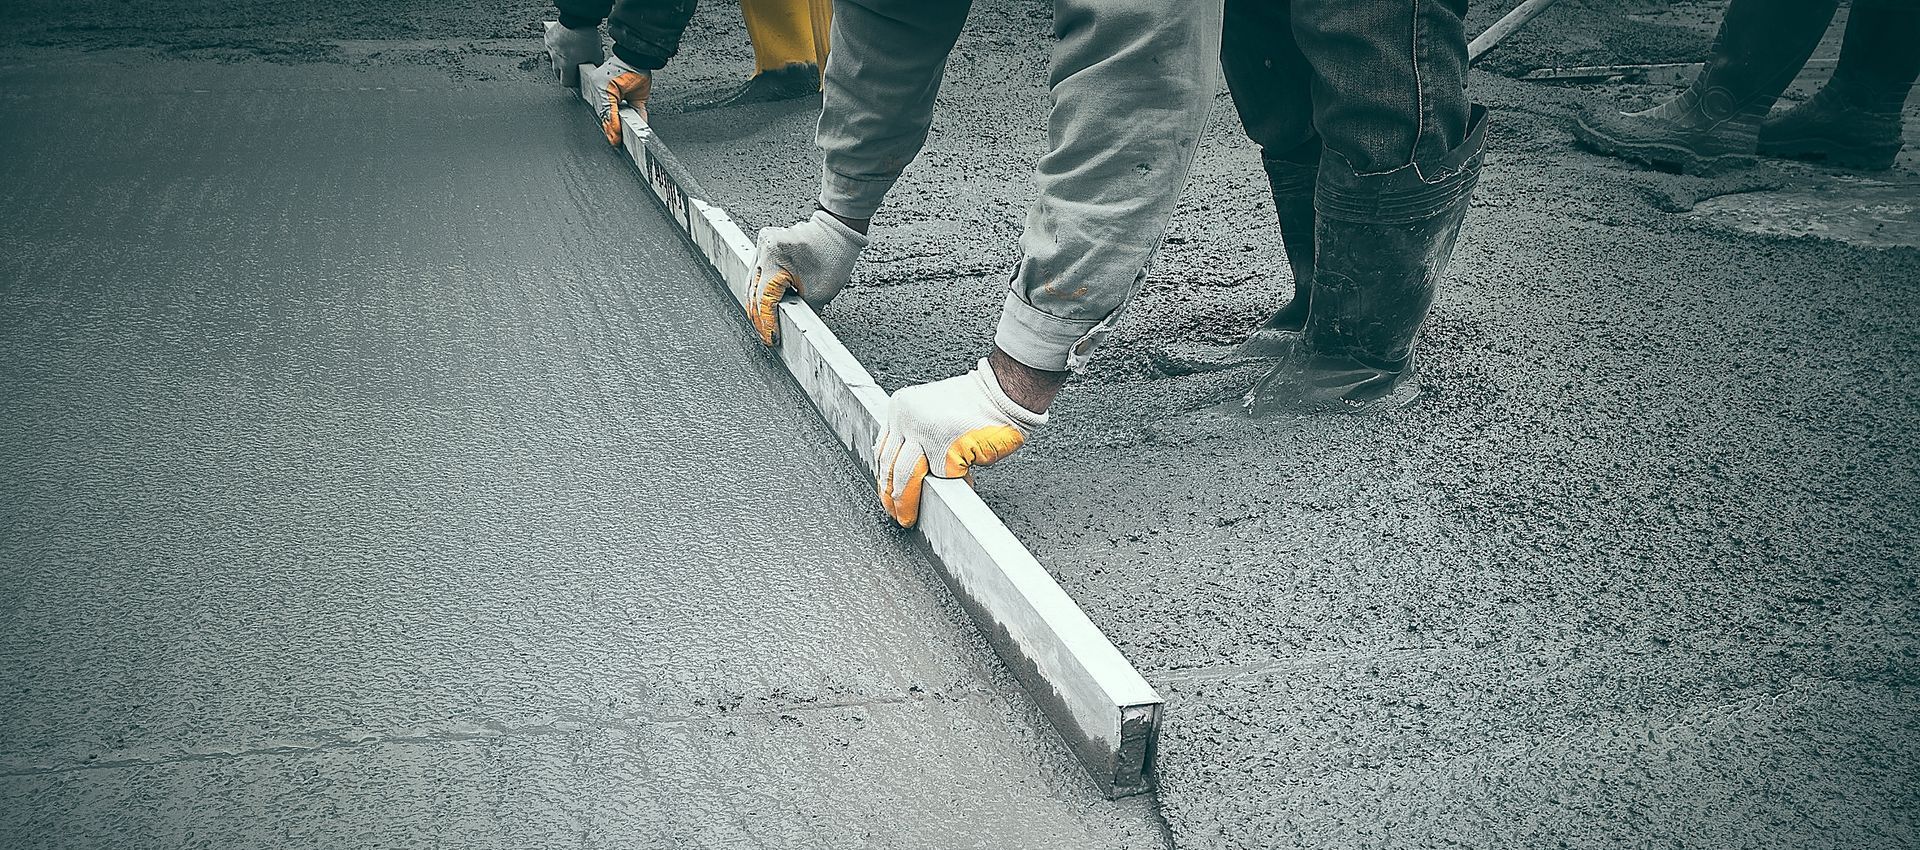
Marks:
<point>618,83</point>
<point>958,423</point>
<point>814,257</point>
<point>568,49</point>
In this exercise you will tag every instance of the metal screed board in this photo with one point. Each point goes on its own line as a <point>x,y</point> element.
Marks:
<point>1107,713</point>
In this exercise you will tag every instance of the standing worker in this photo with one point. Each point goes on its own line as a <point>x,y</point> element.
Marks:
<point>789,48</point>
<point>1372,150</point>
<point>1130,83</point>
<point>1722,119</point>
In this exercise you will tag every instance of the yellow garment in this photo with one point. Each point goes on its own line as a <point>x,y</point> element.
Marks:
<point>822,29</point>
<point>787,32</point>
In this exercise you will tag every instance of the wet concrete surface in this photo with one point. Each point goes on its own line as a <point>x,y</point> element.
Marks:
<point>1857,211</point>
<point>1637,571</point>
<point>379,469</point>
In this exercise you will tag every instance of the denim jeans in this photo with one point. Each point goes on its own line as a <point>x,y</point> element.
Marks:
<point>1381,83</point>
<point>1131,84</point>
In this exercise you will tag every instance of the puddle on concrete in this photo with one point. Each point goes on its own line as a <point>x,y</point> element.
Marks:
<point>1866,213</point>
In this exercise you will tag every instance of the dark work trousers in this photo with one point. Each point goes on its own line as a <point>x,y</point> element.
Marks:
<point>646,33</point>
<point>1373,151</point>
<point>1381,83</point>
<point>1130,84</point>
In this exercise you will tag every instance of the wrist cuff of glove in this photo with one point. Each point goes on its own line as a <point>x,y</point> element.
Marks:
<point>617,67</point>
<point>854,239</point>
<point>1037,339</point>
<point>1007,407</point>
<point>573,22</point>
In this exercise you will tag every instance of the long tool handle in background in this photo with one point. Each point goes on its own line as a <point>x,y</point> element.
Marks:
<point>1508,24</point>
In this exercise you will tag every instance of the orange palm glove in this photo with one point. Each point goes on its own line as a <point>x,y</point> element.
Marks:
<point>945,429</point>
<point>618,84</point>
<point>814,257</point>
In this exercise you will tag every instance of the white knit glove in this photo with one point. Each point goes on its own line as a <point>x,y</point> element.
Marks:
<point>814,258</point>
<point>962,422</point>
<point>568,49</point>
<point>617,83</point>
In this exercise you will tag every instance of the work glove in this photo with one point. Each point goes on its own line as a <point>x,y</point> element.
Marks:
<point>958,423</point>
<point>618,83</point>
<point>569,49</point>
<point>814,258</point>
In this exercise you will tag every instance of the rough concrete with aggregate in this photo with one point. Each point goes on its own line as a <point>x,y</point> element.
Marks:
<point>1638,570</point>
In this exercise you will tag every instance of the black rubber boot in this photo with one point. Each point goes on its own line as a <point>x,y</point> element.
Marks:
<point>797,80</point>
<point>1715,123</point>
<point>1292,183</point>
<point>1382,242</point>
<point>1291,178</point>
<point>1854,120</point>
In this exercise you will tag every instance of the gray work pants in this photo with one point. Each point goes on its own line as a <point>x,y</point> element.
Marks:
<point>1131,83</point>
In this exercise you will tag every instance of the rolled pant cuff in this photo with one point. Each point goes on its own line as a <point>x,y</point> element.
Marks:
<point>851,197</point>
<point>1039,340</point>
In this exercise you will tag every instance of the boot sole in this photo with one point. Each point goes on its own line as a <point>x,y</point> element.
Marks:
<point>1403,394</point>
<point>1665,157</point>
<point>749,100</point>
<point>1328,385</point>
<point>1263,347</point>
<point>1177,361</point>
<point>1875,158</point>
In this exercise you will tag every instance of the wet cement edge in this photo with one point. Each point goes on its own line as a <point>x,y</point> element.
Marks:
<point>1103,709</point>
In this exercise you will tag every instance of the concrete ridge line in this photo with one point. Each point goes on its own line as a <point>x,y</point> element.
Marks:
<point>456,732</point>
<point>1105,710</point>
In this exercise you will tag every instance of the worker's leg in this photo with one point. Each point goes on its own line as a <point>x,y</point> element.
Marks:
<point>1880,57</point>
<point>646,33</point>
<point>781,32</point>
<point>581,14</point>
<point>877,106</point>
<point>1854,120</point>
<point>1715,123</point>
<point>879,90</point>
<point>821,14</point>
<point>1402,151</point>
<point>1270,81</point>
<point>1131,84</point>
<point>784,56</point>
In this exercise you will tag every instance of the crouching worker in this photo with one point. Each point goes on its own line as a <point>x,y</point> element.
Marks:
<point>789,48</point>
<point>1131,82</point>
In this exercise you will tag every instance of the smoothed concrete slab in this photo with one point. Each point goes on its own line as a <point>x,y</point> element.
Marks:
<point>371,475</point>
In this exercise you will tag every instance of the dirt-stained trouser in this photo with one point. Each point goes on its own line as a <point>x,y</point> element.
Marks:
<point>1372,149</point>
<point>1131,84</point>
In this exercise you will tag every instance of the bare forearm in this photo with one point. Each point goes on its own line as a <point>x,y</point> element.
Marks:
<point>1033,389</point>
